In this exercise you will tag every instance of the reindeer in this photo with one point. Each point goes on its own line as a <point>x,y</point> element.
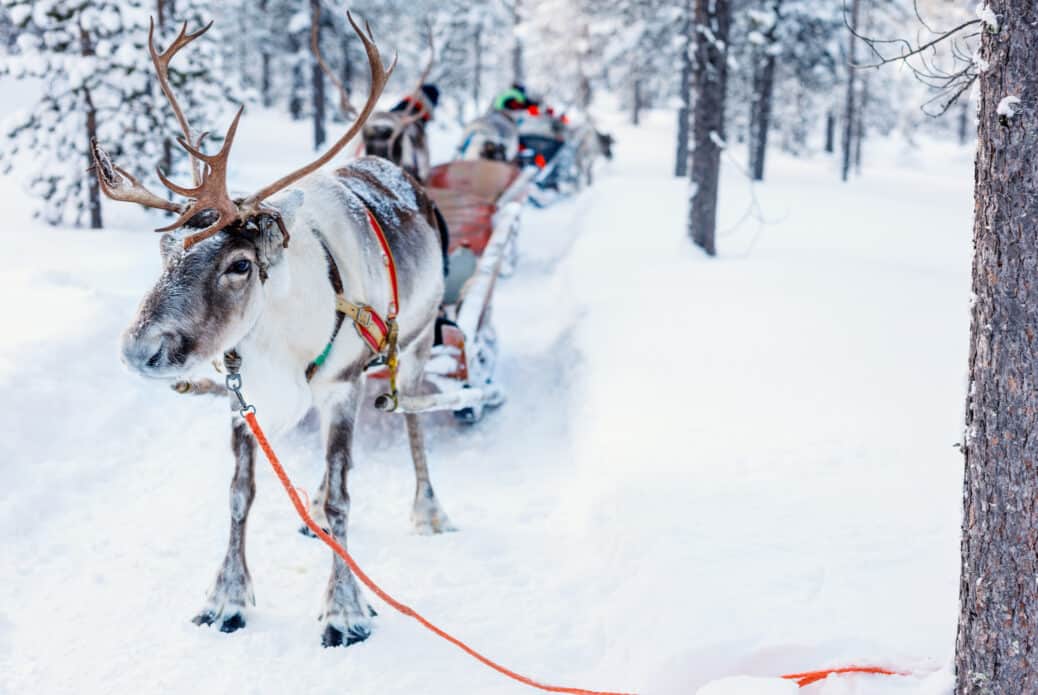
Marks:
<point>493,136</point>
<point>232,284</point>
<point>398,134</point>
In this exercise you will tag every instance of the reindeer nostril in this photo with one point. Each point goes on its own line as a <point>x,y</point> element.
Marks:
<point>153,361</point>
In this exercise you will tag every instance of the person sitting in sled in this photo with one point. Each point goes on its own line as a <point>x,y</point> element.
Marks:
<point>423,101</point>
<point>515,99</point>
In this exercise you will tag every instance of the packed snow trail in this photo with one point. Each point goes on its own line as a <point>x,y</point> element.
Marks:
<point>705,468</point>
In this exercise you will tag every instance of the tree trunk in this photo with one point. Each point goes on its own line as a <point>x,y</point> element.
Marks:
<point>93,188</point>
<point>996,650</point>
<point>163,10</point>
<point>584,89</point>
<point>477,72</point>
<point>760,114</point>
<point>636,103</point>
<point>709,80</point>
<point>266,97</point>
<point>86,48</point>
<point>830,131</point>
<point>346,74</point>
<point>964,119</point>
<point>298,86</point>
<point>849,113</point>
<point>760,101</point>
<point>685,112</point>
<point>241,49</point>
<point>517,48</point>
<point>317,79</point>
<point>859,123</point>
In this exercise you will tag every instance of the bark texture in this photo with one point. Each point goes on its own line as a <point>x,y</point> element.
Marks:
<point>709,80</point>
<point>996,649</point>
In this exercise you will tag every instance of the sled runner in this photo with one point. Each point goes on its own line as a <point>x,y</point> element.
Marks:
<point>481,201</point>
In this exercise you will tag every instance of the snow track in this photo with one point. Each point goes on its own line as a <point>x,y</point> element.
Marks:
<point>704,468</point>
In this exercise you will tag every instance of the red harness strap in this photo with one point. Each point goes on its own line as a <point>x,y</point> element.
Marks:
<point>387,258</point>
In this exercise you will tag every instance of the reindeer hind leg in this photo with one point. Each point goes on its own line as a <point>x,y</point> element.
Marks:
<point>427,515</point>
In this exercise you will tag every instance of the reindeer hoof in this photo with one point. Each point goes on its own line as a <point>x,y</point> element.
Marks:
<point>304,530</point>
<point>232,623</point>
<point>334,637</point>
<point>204,618</point>
<point>432,527</point>
<point>429,519</point>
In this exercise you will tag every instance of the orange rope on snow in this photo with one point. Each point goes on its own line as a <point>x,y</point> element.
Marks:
<point>802,679</point>
<point>809,677</point>
<point>279,471</point>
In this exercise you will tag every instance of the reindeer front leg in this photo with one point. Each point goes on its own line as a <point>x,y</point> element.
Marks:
<point>347,616</point>
<point>232,589</point>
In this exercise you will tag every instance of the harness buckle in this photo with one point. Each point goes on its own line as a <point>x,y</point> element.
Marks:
<point>363,316</point>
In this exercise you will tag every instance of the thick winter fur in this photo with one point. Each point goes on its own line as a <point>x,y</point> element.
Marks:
<point>407,147</point>
<point>279,314</point>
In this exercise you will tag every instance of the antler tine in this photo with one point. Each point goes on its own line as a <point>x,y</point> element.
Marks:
<point>161,62</point>
<point>379,77</point>
<point>211,193</point>
<point>344,97</point>
<point>113,181</point>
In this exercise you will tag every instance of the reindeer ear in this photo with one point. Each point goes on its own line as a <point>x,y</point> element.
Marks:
<point>274,229</point>
<point>169,243</point>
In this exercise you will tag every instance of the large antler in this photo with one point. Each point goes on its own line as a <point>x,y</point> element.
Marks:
<point>379,77</point>
<point>210,171</point>
<point>119,184</point>
<point>211,192</point>
<point>315,46</point>
<point>161,63</point>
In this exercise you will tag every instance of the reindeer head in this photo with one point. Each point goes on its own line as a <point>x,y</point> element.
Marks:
<point>206,299</point>
<point>210,292</point>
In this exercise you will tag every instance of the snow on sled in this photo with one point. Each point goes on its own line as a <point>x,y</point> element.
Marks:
<point>480,201</point>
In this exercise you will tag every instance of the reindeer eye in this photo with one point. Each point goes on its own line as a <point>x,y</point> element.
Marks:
<point>239,267</point>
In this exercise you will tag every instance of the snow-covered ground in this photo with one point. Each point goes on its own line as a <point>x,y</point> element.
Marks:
<point>708,473</point>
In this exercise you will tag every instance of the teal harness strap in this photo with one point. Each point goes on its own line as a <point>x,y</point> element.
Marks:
<point>319,360</point>
<point>336,279</point>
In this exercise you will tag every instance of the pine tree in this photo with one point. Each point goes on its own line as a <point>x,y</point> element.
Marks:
<point>98,82</point>
<point>711,20</point>
<point>995,650</point>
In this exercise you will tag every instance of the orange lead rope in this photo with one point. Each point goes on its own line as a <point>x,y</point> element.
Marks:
<point>249,413</point>
<point>250,417</point>
<point>809,677</point>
